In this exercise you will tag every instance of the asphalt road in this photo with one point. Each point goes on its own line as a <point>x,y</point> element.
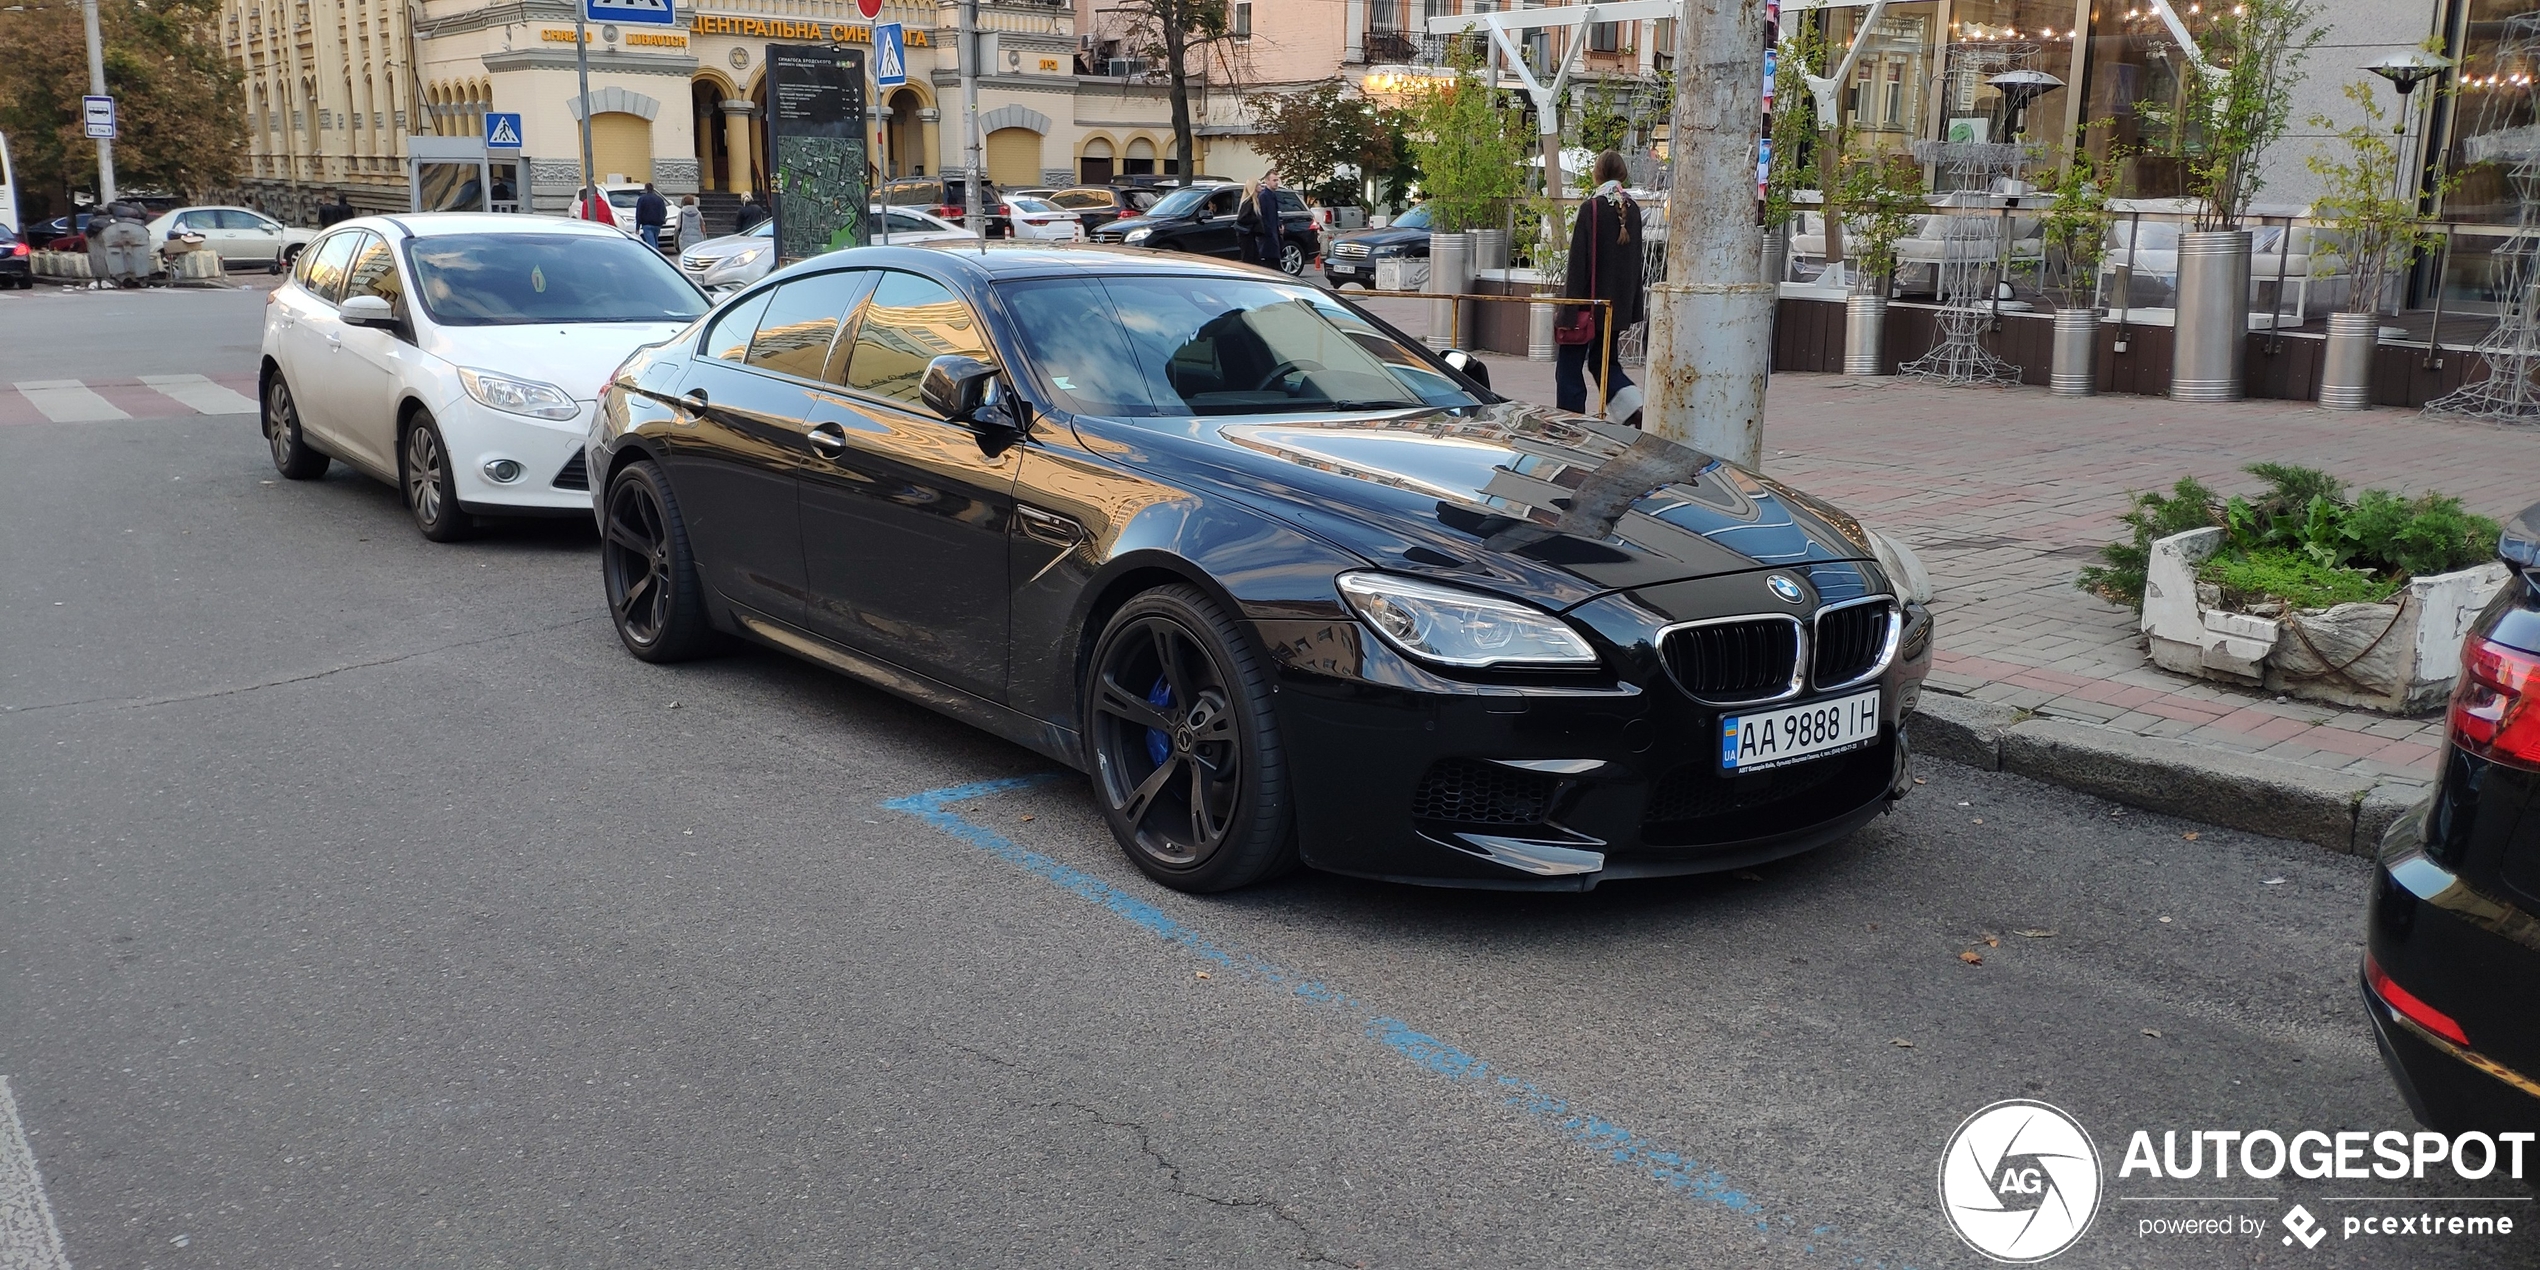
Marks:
<point>362,904</point>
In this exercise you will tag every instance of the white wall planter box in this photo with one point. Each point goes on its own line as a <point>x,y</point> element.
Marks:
<point>1401,275</point>
<point>2397,656</point>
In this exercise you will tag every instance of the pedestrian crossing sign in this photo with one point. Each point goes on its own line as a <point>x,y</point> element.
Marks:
<point>502,132</point>
<point>654,12</point>
<point>890,56</point>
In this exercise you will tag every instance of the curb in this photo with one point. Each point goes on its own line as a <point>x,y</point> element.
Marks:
<point>2343,812</point>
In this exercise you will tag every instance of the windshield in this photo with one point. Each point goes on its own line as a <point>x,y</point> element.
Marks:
<point>1165,346</point>
<point>1416,218</point>
<point>1032,204</point>
<point>515,279</point>
<point>1180,201</point>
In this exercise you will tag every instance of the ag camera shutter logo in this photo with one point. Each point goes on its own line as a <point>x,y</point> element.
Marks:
<point>2020,1181</point>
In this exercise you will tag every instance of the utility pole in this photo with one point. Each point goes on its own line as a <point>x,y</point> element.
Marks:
<point>97,88</point>
<point>1711,321</point>
<point>582,67</point>
<point>973,217</point>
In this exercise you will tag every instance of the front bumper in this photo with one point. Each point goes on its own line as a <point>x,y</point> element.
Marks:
<point>1637,793</point>
<point>548,453</point>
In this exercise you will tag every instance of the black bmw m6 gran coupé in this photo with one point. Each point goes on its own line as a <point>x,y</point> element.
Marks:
<point>1290,587</point>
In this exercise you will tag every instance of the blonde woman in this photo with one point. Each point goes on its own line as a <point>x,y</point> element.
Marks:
<point>1248,225</point>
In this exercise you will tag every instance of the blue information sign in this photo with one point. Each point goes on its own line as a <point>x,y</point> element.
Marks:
<point>653,12</point>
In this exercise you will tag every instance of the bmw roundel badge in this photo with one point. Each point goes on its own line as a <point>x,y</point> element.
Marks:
<point>1782,586</point>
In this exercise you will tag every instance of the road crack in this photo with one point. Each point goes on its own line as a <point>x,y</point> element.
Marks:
<point>1175,1183</point>
<point>144,703</point>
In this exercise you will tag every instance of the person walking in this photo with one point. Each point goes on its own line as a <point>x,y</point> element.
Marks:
<point>691,229</point>
<point>592,205</point>
<point>337,212</point>
<point>1267,234</point>
<point>651,212</point>
<point>751,213</point>
<point>1605,249</point>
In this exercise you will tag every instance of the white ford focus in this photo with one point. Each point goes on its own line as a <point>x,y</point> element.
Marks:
<point>457,355</point>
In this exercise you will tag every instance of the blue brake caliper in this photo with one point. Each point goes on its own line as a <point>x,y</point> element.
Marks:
<point>1158,744</point>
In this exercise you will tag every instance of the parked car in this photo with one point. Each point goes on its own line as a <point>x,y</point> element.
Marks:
<point>737,260</point>
<point>17,266</point>
<point>242,238</point>
<point>42,233</point>
<point>1290,586</point>
<point>1041,219</point>
<point>456,355</point>
<point>1200,219</point>
<point>2450,964</point>
<point>1353,255</point>
<point>942,196</point>
<point>1099,205</point>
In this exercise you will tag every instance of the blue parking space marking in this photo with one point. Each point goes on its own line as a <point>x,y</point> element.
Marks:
<point>1678,1173</point>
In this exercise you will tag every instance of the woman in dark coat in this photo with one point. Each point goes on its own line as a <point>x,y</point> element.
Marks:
<point>1605,252</point>
<point>1265,231</point>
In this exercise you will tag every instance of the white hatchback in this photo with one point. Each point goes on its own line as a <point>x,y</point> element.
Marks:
<point>457,356</point>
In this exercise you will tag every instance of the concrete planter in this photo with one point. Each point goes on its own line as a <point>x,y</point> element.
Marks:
<point>2213,316</point>
<point>1402,273</point>
<point>2346,370</point>
<point>2398,656</point>
<point>1864,331</point>
<point>2074,371</point>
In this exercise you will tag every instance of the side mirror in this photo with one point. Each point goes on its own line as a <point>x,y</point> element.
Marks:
<point>1467,365</point>
<point>955,386</point>
<point>369,310</point>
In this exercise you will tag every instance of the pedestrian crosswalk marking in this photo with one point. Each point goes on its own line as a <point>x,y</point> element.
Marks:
<point>201,393</point>
<point>68,401</point>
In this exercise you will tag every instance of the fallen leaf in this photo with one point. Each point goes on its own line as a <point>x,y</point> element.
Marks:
<point>1971,957</point>
<point>2165,921</point>
<point>1993,941</point>
<point>1203,974</point>
<point>2034,933</point>
<point>1979,820</point>
<point>1874,926</point>
<point>1917,780</point>
<point>2191,835</point>
<point>1027,817</point>
<point>2152,1032</point>
<point>1902,1043</point>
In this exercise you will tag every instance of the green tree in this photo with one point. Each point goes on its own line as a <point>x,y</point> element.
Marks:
<point>1310,134</point>
<point>2376,226</point>
<point>1472,153</point>
<point>1184,37</point>
<point>2243,103</point>
<point>176,96</point>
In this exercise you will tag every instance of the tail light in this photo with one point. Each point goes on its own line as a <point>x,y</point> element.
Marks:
<point>21,249</point>
<point>2492,715</point>
<point>2409,1008</point>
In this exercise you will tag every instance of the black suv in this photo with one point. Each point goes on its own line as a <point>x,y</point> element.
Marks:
<point>16,269</point>
<point>2451,953</point>
<point>1200,219</point>
<point>1354,254</point>
<point>943,196</point>
<point>1099,205</point>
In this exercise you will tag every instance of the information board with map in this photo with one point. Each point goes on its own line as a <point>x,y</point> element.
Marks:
<point>816,131</point>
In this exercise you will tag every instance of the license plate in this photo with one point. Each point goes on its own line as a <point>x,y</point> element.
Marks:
<point>1810,729</point>
<point>1347,269</point>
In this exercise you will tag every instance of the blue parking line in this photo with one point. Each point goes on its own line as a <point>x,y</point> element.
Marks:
<point>1679,1173</point>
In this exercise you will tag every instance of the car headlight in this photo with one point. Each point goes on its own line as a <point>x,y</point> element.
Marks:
<point>1902,566</point>
<point>1378,252</point>
<point>518,396</point>
<point>1136,236</point>
<point>1455,627</point>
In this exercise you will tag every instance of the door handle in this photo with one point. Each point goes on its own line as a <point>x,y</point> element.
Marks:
<point>694,399</point>
<point>829,439</point>
<point>1048,527</point>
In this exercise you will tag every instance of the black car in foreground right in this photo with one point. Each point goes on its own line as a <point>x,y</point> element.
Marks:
<point>2452,950</point>
<point>1292,588</point>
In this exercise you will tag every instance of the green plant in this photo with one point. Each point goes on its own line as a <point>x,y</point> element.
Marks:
<point>1881,195</point>
<point>2075,232</point>
<point>2302,531</point>
<point>2377,227</point>
<point>2240,100</point>
<point>1471,152</point>
<point>2288,576</point>
<point>1794,132</point>
<point>1597,125</point>
<point>1312,135</point>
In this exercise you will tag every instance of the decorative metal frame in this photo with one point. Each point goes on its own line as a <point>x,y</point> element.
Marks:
<point>2511,352</point>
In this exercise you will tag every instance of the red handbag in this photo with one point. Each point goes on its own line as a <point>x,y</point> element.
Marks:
<point>1579,325</point>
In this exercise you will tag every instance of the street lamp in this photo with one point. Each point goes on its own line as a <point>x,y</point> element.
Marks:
<point>2407,70</point>
<point>2018,89</point>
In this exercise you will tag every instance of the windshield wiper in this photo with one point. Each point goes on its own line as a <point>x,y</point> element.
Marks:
<point>1359,405</point>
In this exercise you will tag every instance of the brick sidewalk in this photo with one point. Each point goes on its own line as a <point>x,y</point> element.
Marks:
<point>2007,493</point>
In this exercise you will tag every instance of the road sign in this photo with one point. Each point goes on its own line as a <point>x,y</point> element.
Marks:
<point>502,132</point>
<point>99,114</point>
<point>890,55</point>
<point>654,12</point>
<point>871,9</point>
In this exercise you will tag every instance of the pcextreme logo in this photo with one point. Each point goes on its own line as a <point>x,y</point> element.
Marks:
<point>2020,1181</point>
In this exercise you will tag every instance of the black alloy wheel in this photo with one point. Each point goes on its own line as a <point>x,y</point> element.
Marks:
<point>654,598</point>
<point>1185,747</point>
<point>293,456</point>
<point>1292,260</point>
<point>432,490</point>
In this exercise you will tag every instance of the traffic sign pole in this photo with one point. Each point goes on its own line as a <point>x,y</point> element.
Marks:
<point>97,87</point>
<point>582,67</point>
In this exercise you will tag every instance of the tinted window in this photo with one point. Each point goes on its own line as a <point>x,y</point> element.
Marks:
<point>1416,218</point>
<point>1223,202</point>
<point>795,331</point>
<point>903,223</point>
<point>1179,201</point>
<point>1290,200</point>
<point>1080,199</point>
<point>911,321</point>
<point>374,272</point>
<point>513,279</point>
<point>730,338</point>
<point>325,276</point>
<point>1142,199</point>
<point>1213,346</point>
